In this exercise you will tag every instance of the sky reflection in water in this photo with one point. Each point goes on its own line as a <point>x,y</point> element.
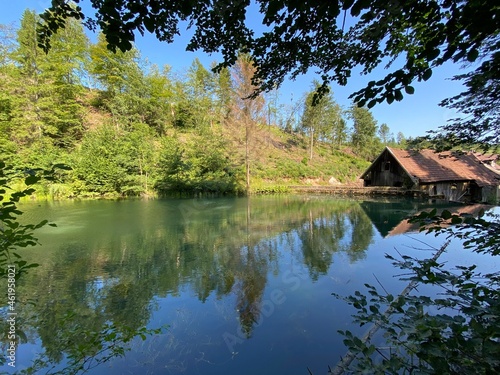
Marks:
<point>244,285</point>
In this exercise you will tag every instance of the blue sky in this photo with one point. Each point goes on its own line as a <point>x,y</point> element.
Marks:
<point>415,115</point>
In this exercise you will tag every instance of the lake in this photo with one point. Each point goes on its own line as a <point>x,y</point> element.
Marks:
<point>240,285</point>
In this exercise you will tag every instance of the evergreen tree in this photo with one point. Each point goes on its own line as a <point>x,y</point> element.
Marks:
<point>26,112</point>
<point>64,66</point>
<point>48,85</point>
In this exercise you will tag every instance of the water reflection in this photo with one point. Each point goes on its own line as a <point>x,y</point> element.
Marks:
<point>389,217</point>
<point>114,267</point>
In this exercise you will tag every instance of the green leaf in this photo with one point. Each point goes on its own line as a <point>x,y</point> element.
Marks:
<point>427,74</point>
<point>446,215</point>
<point>422,215</point>
<point>409,90</point>
<point>41,224</point>
<point>149,24</point>
<point>62,166</point>
<point>361,103</point>
<point>472,55</point>
<point>433,54</point>
<point>32,179</point>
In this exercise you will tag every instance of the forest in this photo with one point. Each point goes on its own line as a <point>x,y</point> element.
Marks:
<point>125,127</point>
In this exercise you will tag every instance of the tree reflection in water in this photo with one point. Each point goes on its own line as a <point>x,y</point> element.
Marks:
<point>96,288</point>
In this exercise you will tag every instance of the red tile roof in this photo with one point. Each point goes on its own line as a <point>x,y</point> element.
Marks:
<point>428,166</point>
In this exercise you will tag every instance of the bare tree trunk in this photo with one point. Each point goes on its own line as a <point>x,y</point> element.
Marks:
<point>311,144</point>
<point>247,155</point>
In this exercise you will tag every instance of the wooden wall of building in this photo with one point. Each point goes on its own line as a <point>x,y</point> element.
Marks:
<point>452,191</point>
<point>388,172</point>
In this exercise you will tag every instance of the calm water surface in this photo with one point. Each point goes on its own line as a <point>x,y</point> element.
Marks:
<point>243,286</point>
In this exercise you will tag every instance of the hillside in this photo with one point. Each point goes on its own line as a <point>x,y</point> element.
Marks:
<point>277,158</point>
<point>130,159</point>
<point>281,158</point>
<point>126,127</point>
<point>112,158</point>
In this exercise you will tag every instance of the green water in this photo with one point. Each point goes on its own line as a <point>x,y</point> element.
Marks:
<point>242,285</point>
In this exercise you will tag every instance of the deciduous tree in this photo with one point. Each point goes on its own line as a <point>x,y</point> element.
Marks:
<point>408,38</point>
<point>246,113</point>
<point>385,134</point>
<point>323,120</point>
<point>364,135</point>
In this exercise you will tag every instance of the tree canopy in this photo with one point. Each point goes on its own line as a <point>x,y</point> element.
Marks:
<point>408,38</point>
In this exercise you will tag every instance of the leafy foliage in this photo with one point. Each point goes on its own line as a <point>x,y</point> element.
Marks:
<point>364,136</point>
<point>461,339</point>
<point>457,330</point>
<point>409,39</point>
<point>480,122</point>
<point>13,234</point>
<point>44,98</point>
<point>101,161</point>
<point>107,114</point>
<point>87,349</point>
<point>323,120</point>
<point>200,167</point>
<point>481,234</point>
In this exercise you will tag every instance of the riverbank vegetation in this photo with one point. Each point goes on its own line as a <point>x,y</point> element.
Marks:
<point>126,127</point>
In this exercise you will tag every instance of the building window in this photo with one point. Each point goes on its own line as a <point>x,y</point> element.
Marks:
<point>387,166</point>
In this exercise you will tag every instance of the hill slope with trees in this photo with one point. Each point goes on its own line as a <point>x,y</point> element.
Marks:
<point>127,128</point>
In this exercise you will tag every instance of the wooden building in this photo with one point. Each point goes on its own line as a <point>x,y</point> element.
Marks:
<point>458,177</point>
